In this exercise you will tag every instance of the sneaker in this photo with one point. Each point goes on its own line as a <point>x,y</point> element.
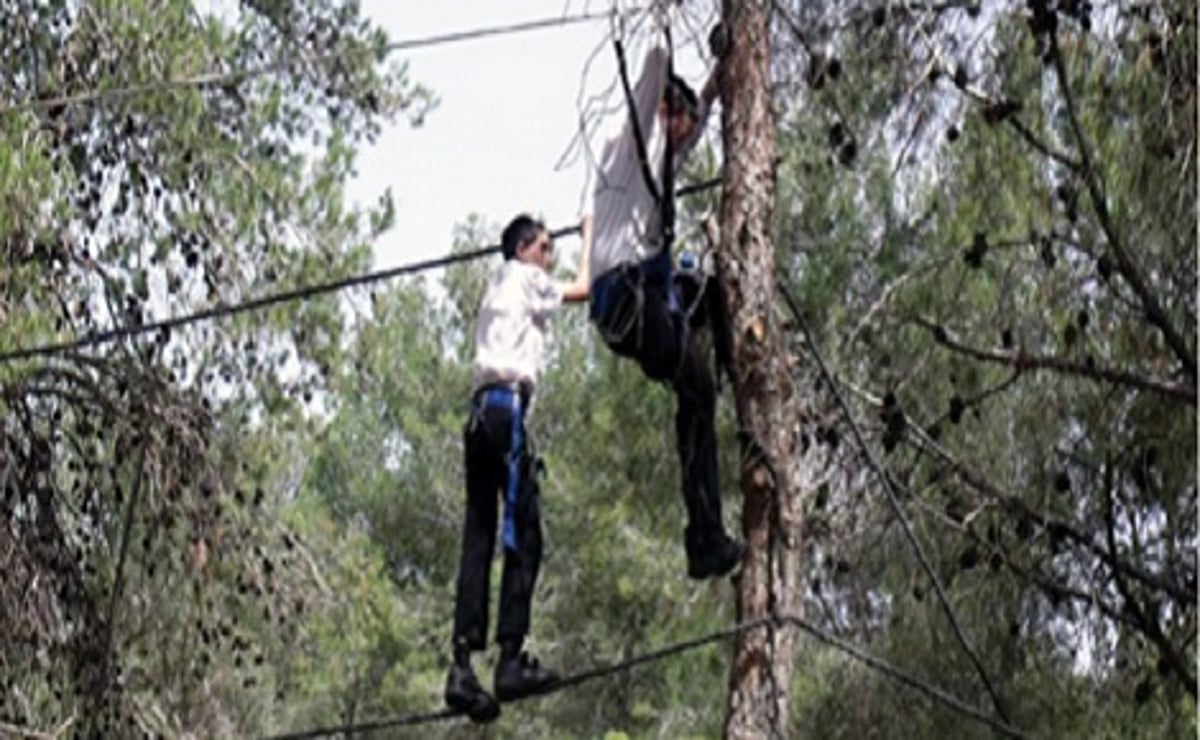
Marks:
<point>520,676</point>
<point>713,558</point>
<point>465,694</point>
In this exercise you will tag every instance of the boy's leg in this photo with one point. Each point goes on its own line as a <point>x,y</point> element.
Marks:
<point>670,353</point>
<point>521,566</point>
<point>478,536</point>
<point>710,551</point>
<point>663,350</point>
<point>517,674</point>
<point>696,439</point>
<point>463,691</point>
<point>661,342</point>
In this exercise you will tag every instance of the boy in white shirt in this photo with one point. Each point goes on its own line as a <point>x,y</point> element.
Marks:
<point>509,352</point>
<point>633,299</point>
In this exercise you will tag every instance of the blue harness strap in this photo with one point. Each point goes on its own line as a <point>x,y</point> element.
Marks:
<point>514,475</point>
<point>510,398</point>
<point>658,267</point>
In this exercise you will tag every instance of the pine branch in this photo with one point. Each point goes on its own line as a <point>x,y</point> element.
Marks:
<point>1016,505</point>
<point>1023,361</point>
<point>1125,264</point>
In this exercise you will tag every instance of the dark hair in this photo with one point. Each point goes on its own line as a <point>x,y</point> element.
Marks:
<point>520,231</point>
<point>680,97</point>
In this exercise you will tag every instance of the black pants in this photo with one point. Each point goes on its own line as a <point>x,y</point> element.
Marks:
<point>498,465</point>
<point>634,313</point>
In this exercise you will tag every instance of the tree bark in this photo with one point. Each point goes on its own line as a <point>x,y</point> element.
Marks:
<point>767,410</point>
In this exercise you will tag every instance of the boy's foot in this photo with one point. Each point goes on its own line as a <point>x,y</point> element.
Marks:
<point>521,675</point>
<point>713,558</point>
<point>464,694</point>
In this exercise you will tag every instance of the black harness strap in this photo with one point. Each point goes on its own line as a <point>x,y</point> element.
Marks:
<point>638,138</point>
<point>666,197</point>
<point>667,202</point>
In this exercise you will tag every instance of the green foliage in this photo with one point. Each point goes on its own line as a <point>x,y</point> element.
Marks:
<point>264,513</point>
<point>142,482</point>
<point>980,291</point>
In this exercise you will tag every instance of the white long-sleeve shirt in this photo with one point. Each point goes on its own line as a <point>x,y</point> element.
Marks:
<point>510,337</point>
<point>628,221</point>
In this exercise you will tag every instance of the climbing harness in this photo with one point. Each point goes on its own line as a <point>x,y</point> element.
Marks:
<point>617,321</point>
<point>514,397</point>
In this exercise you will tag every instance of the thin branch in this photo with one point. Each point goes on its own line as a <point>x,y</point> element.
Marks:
<point>1147,623</point>
<point>1132,615</point>
<point>893,499</point>
<point>979,96</point>
<point>1125,264</point>
<point>9,730</point>
<point>1031,138</point>
<point>1023,361</point>
<point>1050,587</point>
<point>126,534</point>
<point>1013,503</point>
<point>62,729</point>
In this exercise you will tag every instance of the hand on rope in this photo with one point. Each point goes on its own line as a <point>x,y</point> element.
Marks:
<point>718,41</point>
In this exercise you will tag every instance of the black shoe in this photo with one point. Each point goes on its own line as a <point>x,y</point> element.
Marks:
<point>713,557</point>
<point>464,694</point>
<point>520,676</point>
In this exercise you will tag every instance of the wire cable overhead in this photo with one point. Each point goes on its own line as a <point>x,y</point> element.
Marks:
<point>233,76</point>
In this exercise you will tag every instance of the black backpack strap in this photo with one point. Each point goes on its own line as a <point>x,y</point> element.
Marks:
<point>639,138</point>
<point>667,201</point>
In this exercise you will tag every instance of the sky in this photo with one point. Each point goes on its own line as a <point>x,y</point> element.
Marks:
<point>509,109</point>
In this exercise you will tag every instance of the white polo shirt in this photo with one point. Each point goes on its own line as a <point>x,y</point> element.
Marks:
<point>627,224</point>
<point>510,336</point>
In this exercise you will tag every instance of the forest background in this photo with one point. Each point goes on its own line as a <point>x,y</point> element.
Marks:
<point>986,213</point>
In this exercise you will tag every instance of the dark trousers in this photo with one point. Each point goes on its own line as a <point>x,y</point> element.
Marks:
<point>637,317</point>
<point>498,466</point>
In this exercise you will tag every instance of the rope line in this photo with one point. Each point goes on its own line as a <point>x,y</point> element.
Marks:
<point>299,293</point>
<point>222,310</point>
<point>219,78</point>
<point>574,679</point>
<point>894,501</point>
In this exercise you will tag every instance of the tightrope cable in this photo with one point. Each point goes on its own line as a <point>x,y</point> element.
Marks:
<point>574,679</point>
<point>222,310</point>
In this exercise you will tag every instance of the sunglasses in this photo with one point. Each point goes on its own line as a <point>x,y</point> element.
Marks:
<point>546,247</point>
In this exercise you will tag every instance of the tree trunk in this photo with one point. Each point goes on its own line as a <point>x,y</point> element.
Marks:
<point>767,409</point>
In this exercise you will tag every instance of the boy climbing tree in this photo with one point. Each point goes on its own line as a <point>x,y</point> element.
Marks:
<point>634,302</point>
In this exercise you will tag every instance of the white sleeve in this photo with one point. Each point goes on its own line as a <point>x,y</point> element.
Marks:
<point>543,293</point>
<point>648,92</point>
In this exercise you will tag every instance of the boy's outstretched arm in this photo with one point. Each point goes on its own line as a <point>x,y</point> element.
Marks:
<point>578,290</point>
